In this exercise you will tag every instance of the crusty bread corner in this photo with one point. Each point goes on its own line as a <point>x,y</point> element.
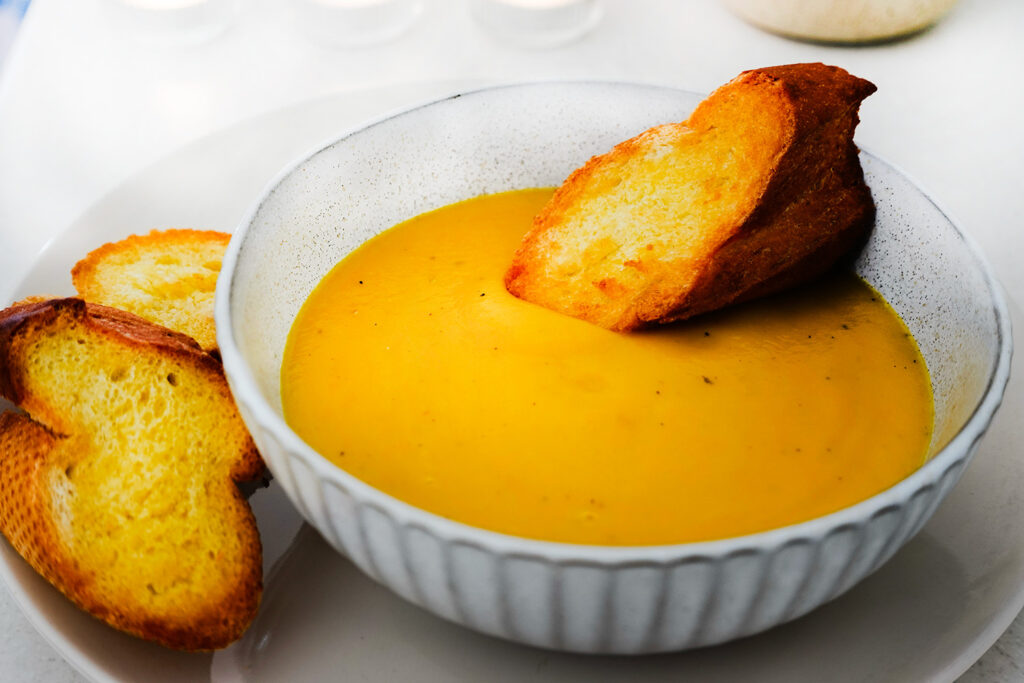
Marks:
<point>35,299</point>
<point>760,189</point>
<point>118,482</point>
<point>166,276</point>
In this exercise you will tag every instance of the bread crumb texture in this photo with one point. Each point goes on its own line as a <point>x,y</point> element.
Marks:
<point>759,189</point>
<point>118,485</point>
<point>166,276</point>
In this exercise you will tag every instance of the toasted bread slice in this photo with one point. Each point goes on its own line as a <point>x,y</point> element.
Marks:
<point>167,277</point>
<point>118,485</point>
<point>760,189</point>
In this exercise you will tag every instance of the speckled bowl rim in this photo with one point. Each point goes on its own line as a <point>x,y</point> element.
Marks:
<point>246,390</point>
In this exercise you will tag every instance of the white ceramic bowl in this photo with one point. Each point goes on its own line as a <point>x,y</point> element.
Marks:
<point>572,597</point>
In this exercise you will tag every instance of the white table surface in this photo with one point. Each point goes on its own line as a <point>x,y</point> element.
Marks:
<point>84,107</point>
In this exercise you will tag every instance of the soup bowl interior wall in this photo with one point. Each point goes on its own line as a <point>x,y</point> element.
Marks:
<point>579,598</point>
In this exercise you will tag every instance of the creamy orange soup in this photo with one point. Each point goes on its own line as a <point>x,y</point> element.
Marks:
<point>413,369</point>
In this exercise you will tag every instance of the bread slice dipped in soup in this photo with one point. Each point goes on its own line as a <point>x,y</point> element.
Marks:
<point>686,406</point>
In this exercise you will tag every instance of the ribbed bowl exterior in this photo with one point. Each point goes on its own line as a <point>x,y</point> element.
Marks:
<point>600,600</point>
<point>590,599</point>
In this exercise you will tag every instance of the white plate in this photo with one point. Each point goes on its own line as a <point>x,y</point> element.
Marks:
<point>926,615</point>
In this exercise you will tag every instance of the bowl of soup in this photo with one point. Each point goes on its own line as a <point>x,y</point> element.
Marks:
<point>540,479</point>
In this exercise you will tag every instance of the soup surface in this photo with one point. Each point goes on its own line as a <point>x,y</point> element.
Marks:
<point>413,369</point>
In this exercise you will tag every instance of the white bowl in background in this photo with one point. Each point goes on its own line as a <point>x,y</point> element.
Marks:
<point>841,21</point>
<point>571,597</point>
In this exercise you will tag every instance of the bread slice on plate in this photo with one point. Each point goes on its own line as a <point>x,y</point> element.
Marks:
<point>760,189</point>
<point>166,276</point>
<point>118,481</point>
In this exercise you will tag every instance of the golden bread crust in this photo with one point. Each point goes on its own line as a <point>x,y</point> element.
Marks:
<point>165,276</point>
<point>760,189</point>
<point>155,542</point>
